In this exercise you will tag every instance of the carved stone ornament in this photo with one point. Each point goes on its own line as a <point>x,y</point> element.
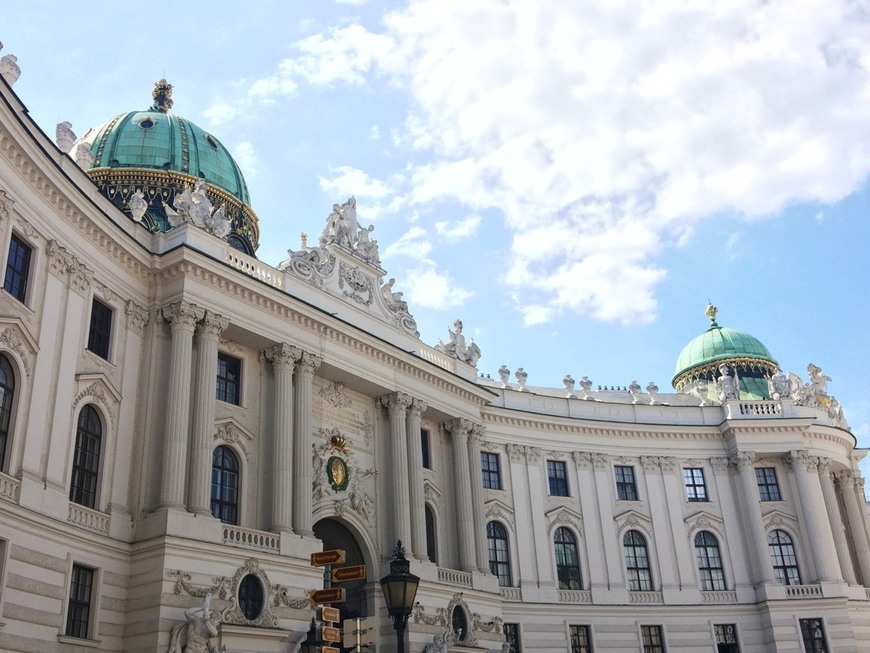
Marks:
<point>9,69</point>
<point>565,517</point>
<point>63,263</point>
<point>633,520</point>
<point>236,612</point>
<point>346,264</point>
<point>338,479</point>
<point>6,204</point>
<point>137,316</point>
<point>231,433</point>
<point>457,347</point>
<point>64,136</point>
<point>11,340</point>
<point>443,617</point>
<point>192,206</point>
<point>500,511</point>
<point>335,394</point>
<point>97,393</point>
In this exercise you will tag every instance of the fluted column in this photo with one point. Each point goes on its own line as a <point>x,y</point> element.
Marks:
<point>459,430</point>
<point>199,493</point>
<point>305,367</point>
<point>849,483</point>
<point>744,460</point>
<point>820,537</point>
<point>415,480</point>
<point>474,441</point>
<point>397,407</point>
<point>182,317</point>
<point>835,519</point>
<point>283,357</point>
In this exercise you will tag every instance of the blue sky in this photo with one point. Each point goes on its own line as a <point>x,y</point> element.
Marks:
<point>573,180</point>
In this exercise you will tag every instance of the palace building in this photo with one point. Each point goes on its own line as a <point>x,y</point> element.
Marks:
<point>183,425</point>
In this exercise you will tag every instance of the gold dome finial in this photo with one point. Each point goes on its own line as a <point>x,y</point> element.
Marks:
<point>162,95</point>
<point>710,312</point>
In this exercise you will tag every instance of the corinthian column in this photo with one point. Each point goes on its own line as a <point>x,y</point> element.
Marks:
<point>305,367</point>
<point>835,519</point>
<point>397,406</point>
<point>849,483</point>
<point>199,493</point>
<point>283,357</point>
<point>475,435</point>
<point>810,493</point>
<point>459,430</point>
<point>415,481</point>
<point>182,317</point>
<point>748,492</point>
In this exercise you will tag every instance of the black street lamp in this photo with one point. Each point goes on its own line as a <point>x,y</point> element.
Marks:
<point>311,643</point>
<point>400,589</point>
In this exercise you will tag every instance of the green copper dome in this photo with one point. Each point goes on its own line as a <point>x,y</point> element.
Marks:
<point>160,155</point>
<point>743,354</point>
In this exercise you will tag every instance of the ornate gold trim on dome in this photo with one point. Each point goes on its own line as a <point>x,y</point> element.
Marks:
<point>711,370</point>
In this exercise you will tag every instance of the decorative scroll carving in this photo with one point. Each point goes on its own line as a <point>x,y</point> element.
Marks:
<point>583,460</point>
<point>282,597</point>
<point>335,394</point>
<point>6,204</point>
<point>231,434</point>
<point>137,316</point>
<point>63,263</point>
<point>11,339</point>
<point>355,494</point>
<point>96,392</point>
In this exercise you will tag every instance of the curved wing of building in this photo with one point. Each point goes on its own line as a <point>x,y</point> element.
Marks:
<point>182,426</point>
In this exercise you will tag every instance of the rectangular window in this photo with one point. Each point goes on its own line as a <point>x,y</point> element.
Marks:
<point>229,379</point>
<point>491,472</point>
<point>768,488</point>
<point>696,489</point>
<point>581,642</point>
<point>813,633</point>
<point>17,268</point>
<point>626,488</point>
<point>78,612</point>
<point>424,445</point>
<point>653,641</point>
<point>512,637</point>
<point>726,638</point>
<point>100,334</point>
<point>557,473</point>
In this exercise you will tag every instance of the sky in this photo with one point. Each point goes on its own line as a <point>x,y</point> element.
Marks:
<point>574,181</point>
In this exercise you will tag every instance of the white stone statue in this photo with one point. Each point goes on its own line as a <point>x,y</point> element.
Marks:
<point>193,206</point>
<point>9,68</point>
<point>393,300</point>
<point>818,379</point>
<point>366,246</point>
<point>504,374</point>
<point>457,347</point>
<point>634,391</point>
<point>702,392</point>
<point>586,385</point>
<point>84,156</point>
<point>521,375</point>
<point>727,385</point>
<point>64,136</point>
<point>653,391</point>
<point>341,225</point>
<point>569,386</point>
<point>138,205</point>
<point>778,386</point>
<point>199,634</point>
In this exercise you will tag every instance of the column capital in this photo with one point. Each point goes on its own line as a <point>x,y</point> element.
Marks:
<point>582,459</point>
<point>395,403</point>
<point>307,363</point>
<point>650,463</point>
<point>283,355</point>
<point>137,316</point>
<point>459,427</point>
<point>801,459</point>
<point>601,461</point>
<point>824,465</point>
<point>417,408</point>
<point>211,326</point>
<point>743,459</point>
<point>182,315</point>
<point>719,464</point>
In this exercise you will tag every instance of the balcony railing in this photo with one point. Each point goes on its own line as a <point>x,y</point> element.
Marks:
<point>575,596</point>
<point>803,591</point>
<point>9,488</point>
<point>92,520</point>
<point>511,594</point>
<point>719,597</point>
<point>247,538</point>
<point>646,598</point>
<point>454,577</point>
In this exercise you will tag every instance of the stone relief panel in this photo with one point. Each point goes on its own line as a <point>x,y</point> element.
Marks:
<point>340,481</point>
<point>335,406</point>
<point>445,618</point>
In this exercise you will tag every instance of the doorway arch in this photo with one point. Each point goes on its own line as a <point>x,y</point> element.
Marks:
<point>336,535</point>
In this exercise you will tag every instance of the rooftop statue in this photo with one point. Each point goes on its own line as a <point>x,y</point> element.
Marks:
<point>138,205</point>
<point>505,375</point>
<point>343,229</point>
<point>457,348</point>
<point>727,385</point>
<point>193,206</point>
<point>778,386</point>
<point>64,136</point>
<point>815,393</point>
<point>9,67</point>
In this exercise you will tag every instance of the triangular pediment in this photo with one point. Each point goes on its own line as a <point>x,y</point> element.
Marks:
<point>496,509</point>
<point>778,519</point>
<point>704,521</point>
<point>97,389</point>
<point>632,519</point>
<point>564,516</point>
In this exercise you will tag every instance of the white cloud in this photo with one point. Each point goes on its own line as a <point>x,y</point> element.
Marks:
<point>459,228</point>
<point>347,180</point>
<point>246,157</point>
<point>605,132</point>
<point>220,112</point>
<point>429,288</point>
<point>414,244</point>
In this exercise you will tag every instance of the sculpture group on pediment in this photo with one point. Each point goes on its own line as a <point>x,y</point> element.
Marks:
<point>815,393</point>
<point>456,346</point>
<point>193,206</point>
<point>343,229</point>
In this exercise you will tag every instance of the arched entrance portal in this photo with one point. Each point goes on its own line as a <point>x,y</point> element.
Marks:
<point>336,535</point>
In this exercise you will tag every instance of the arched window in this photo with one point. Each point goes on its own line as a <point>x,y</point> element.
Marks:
<point>431,541</point>
<point>499,554</point>
<point>637,562</point>
<point>86,459</point>
<point>783,557</point>
<point>567,560</point>
<point>709,562</point>
<point>225,485</point>
<point>7,393</point>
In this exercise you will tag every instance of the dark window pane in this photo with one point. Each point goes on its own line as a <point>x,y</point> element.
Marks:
<point>491,472</point>
<point>637,562</point>
<point>626,489</point>
<point>557,475</point>
<point>424,446</point>
<point>86,458</point>
<point>7,393</point>
<point>581,642</point>
<point>512,637</point>
<point>229,379</point>
<point>696,489</point>
<point>17,268</point>
<point>768,488</point>
<point>431,541</point>
<point>709,562</point>
<point>813,634</point>
<point>783,556</point>
<point>225,485</point>
<point>567,559</point>
<point>499,556</point>
<point>100,334</point>
<point>78,614</point>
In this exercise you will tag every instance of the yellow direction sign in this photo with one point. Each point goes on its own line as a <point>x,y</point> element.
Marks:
<point>330,634</point>
<point>330,649</point>
<point>331,557</point>
<point>344,574</point>
<point>329,595</point>
<point>331,615</point>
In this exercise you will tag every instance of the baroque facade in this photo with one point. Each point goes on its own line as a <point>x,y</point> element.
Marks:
<point>183,425</point>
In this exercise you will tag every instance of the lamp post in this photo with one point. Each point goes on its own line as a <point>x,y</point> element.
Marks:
<point>400,589</point>
<point>311,643</point>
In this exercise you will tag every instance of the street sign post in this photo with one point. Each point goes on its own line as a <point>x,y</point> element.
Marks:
<point>358,633</point>
<point>329,614</point>
<point>330,595</point>
<point>344,574</point>
<point>330,634</point>
<point>331,557</point>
